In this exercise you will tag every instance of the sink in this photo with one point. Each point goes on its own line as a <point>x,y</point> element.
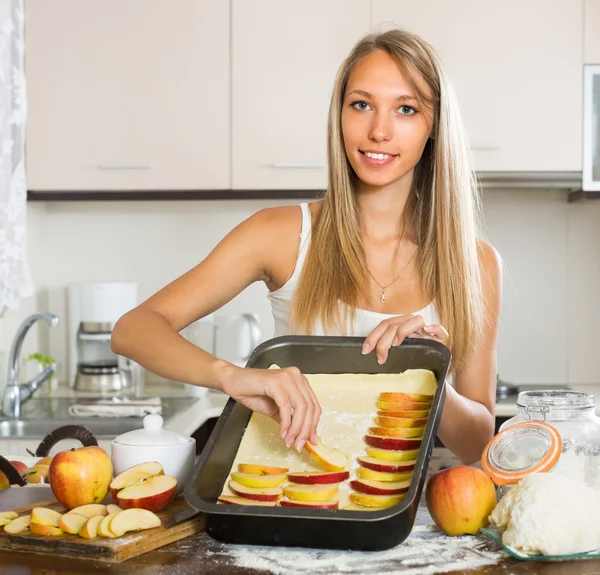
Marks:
<point>40,416</point>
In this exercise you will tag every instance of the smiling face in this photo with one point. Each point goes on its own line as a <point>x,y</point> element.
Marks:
<point>384,126</point>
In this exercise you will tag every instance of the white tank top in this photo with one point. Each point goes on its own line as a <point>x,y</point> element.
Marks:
<point>281,299</point>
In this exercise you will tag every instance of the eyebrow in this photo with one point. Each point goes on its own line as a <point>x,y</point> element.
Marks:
<point>401,98</point>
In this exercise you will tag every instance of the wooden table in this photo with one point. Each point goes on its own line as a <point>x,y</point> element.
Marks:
<point>201,554</point>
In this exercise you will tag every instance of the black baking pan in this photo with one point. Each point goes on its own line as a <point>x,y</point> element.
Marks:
<point>327,529</point>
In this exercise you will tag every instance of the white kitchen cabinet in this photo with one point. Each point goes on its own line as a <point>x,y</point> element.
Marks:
<point>591,31</point>
<point>285,56</point>
<point>516,67</point>
<point>128,94</point>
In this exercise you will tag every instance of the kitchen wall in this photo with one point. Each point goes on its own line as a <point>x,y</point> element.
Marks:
<point>551,252</point>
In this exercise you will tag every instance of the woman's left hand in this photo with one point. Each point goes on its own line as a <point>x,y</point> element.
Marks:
<point>393,331</point>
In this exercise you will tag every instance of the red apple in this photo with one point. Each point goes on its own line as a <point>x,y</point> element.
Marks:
<point>19,466</point>
<point>332,504</point>
<point>154,494</point>
<point>256,493</point>
<point>393,443</point>
<point>319,477</point>
<point>386,466</point>
<point>380,487</point>
<point>80,476</point>
<point>134,475</point>
<point>460,499</point>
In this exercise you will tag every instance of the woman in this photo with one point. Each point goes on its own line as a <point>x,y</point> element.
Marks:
<point>392,251</point>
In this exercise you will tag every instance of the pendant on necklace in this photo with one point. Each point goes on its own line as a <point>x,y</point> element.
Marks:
<point>383,297</point>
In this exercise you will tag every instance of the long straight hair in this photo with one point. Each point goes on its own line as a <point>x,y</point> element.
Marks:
<point>443,209</point>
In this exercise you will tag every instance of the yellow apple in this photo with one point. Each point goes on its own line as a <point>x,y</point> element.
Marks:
<point>378,501</point>
<point>261,469</point>
<point>401,432</point>
<point>392,454</point>
<point>301,492</point>
<point>366,473</point>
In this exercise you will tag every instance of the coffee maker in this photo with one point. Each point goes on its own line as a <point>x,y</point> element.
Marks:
<point>94,308</point>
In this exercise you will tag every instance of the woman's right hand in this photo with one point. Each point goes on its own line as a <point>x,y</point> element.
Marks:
<point>281,394</point>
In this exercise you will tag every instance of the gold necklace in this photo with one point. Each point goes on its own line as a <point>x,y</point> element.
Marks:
<point>383,294</point>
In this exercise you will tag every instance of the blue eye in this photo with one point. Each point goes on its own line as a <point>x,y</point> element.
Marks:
<point>360,105</point>
<point>407,110</point>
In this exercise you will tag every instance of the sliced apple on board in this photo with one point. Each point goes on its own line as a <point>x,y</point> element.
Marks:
<point>256,493</point>
<point>394,443</point>
<point>327,457</point>
<point>90,510</point>
<point>402,432</point>
<point>251,480</point>
<point>378,501</point>
<point>103,527</point>
<point>45,516</point>
<point>46,530</point>
<point>386,466</point>
<point>332,504</point>
<point>72,523</point>
<point>318,477</point>
<point>380,487</point>
<point>7,516</point>
<point>237,500</point>
<point>391,454</point>
<point>133,520</point>
<point>112,508</point>
<point>383,421</point>
<point>90,529</point>
<point>301,492</point>
<point>135,474</point>
<point>152,494</point>
<point>18,525</point>
<point>365,473</point>
<point>261,469</point>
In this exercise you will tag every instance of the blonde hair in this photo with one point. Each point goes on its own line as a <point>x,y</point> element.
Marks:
<point>443,210</point>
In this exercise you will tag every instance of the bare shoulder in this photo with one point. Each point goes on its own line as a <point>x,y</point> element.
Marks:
<point>490,264</point>
<point>490,261</point>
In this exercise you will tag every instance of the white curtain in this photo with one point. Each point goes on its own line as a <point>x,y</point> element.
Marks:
<point>15,281</point>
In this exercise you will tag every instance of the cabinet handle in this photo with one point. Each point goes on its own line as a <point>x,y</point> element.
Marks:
<point>125,166</point>
<point>285,166</point>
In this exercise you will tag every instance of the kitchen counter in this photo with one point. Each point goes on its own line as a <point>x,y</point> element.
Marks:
<point>425,549</point>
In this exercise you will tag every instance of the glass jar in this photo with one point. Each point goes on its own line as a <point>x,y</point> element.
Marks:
<point>532,447</point>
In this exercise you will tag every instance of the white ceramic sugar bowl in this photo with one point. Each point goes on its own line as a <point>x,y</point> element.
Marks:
<point>174,451</point>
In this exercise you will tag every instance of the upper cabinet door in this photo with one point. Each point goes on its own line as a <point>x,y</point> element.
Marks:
<point>285,56</point>
<point>591,13</point>
<point>127,94</point>
<point>516,67</point>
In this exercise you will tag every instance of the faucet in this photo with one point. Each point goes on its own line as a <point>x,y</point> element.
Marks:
<point>16,394</point>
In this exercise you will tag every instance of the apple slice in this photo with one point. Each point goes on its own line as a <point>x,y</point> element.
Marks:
<point>397,431</point>
<point>386,466</point>
<point>330,458</point>
<point>153,494</point>
<point>400,422</point>
<point>256,493</point>
<point>7,516</point>
<point>112,508</point>
<point>392,454</point>
<point>72,523</point>
<point>90,510</point>
<point>332,504</point>
<point>45,516</point>
<point>365,473</point>
<point>301,492</point>
<point>378,501</point>
<point>133,520</point>
<point>401,397</point>
<point>235,500</point>
<point>18,525</point>
<point>46,530</point>
<point>403,405</point>
<point>103,527</point>
<point>90,529</point>
<point>261,469</point>
<point>135,474</point>
<point>315,478</point>
<point>407,414</point>
<point>397,443</point>
<point>250,480</point>
<point>380,487</point>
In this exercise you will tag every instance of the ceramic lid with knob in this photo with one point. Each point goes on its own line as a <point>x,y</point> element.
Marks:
<point>152,434</point>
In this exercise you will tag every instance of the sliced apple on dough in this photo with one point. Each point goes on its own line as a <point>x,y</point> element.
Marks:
<point>254,469</point>
<point>403,405</point>
<point>329,458</point>
<point>402,397</point>
<point>237,500</point>
<point>318,477</point>
<point>251,480</point>
<point>90,529</point>
<point>380,487</point>
<point>391,454</point>
<point>386,466</point>
<point>301,492</point>
<point>133,520</point>
<point>394,443</point>
<point>401,432</point>
<point>406,414</point>
<point>332,504</point>
<point>378,501</point>
<point>72,523</point>
<point>256,493</point>
<point>383,421</point>
<point>18,525</point>
<point>153,494</point>
<point>365,473</point>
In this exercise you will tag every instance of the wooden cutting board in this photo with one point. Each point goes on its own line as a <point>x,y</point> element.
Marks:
<point>102,549</point>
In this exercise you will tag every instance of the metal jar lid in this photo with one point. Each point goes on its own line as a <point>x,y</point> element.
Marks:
<point>521,449</point>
